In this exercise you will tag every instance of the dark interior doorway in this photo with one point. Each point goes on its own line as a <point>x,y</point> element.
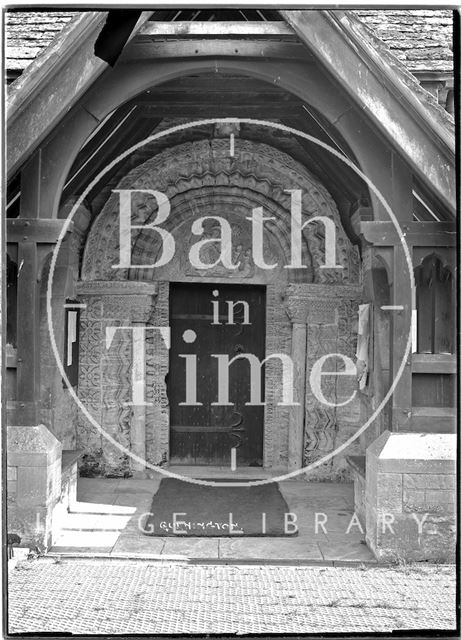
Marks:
<point>221,319</point>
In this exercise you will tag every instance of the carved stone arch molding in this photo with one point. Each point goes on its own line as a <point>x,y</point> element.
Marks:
<point>202,176</point>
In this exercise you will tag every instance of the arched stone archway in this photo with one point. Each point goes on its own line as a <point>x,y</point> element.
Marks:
<point>203,175</point>
<point>200,179</point>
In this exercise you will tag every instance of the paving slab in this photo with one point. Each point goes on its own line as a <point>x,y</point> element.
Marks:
<point>268,549</point>
<point>108,484</point>
<point>97,496</point>
<point>114,497</point>
<point>138,487</point>
<point>137,545</point>
<point>342,549</point>
<point>191,547</point>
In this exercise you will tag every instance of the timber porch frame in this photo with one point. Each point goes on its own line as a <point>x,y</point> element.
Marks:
<point>276,53</point>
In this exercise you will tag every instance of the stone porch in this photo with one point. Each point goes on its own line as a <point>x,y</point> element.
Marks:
<point>104,522</point>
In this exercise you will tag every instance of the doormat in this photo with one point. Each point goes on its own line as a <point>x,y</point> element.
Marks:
<point>202,510</point>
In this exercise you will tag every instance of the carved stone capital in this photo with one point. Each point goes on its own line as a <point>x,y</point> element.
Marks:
<point>297,309</point>
<point>317,303</point>
<point>123,300</point>
<point>116,287</point>
<point>136,308</point>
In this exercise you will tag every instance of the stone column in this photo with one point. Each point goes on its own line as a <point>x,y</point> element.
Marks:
<point>296,309</point>
<point>307,305</point>
<point>138,425</point>
<point>125,302</point>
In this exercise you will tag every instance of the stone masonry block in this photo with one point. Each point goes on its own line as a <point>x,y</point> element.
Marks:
<point>430,481</point>
<point>437,502</point>
<point>33,486</point>
<point>410,479</point>
<point>441,496</point>
<point>12,473</point>
<point>36,455</point>
<point>389,492</point>
<point>420,453</point>
<point>414,537</point>
<point>12,489</point>
<point>414,500</point>
<point>34,526</point>
<point>31,446</point>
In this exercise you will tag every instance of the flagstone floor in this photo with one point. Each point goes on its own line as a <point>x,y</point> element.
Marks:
<point>108,520</point>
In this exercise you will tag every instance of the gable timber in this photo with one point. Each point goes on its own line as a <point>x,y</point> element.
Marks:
<point>381,86</point>
<point>420,133</point>
<point>421,39</point>
<point>53,83</point>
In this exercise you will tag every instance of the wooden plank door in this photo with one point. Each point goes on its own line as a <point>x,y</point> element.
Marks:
<point>205,434</point>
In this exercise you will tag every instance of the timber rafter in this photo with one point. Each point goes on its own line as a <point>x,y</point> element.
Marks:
<point>425,130</point>
<point>53,83</point>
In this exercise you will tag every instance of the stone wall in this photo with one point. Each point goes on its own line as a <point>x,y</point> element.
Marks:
<point>410,497</point>
<point>33,483</point>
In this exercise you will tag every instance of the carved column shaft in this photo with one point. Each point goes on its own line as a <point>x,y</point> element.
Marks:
<point>131,304</point>
<point>297,310</point>
<point>138,424</point>
<point>307,304</point>
<point>296,423</point>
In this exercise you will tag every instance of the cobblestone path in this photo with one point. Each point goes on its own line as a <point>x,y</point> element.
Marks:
<point>100,596</point>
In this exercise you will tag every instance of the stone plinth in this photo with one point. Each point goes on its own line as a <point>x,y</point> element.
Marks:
<point>410,496</point>
<point>34,482</point>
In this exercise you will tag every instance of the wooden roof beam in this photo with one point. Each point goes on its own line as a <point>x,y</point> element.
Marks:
<point>217,83</point>
<point>146,49</point>
<point>423,234</point>
<point>198,109</point>
<point>194,29</point>
<point>34,230</point>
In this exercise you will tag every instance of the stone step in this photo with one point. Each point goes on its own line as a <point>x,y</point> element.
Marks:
<point>103,509</point>
<point>68,541</point>
<point>93,522</point>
